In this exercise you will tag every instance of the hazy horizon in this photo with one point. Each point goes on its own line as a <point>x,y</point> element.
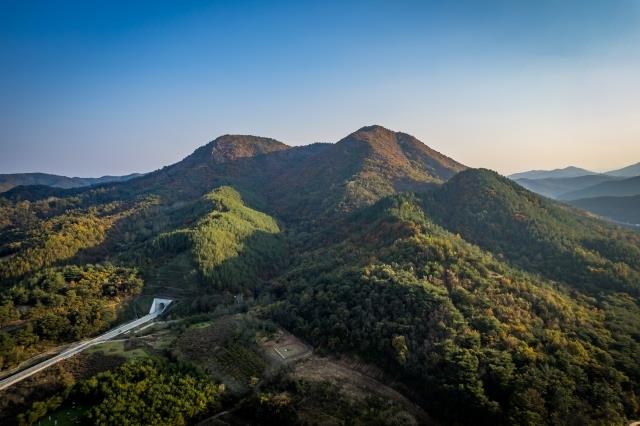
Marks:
<point>601,170</point>
<point>112,89</point>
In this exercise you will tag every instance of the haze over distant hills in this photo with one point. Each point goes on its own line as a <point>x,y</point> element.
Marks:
<point>629,171</point>
<point>613,188</point>
<point>8,181</point>
<point>567,172</point>
<point>472,299</point>
<point>556,187</point>
<point>611,194</point>
<point>572,172</point>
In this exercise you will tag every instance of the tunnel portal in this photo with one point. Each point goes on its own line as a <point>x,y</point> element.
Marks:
<point>159,305</point>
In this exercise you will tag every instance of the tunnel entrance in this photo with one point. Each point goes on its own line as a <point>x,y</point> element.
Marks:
<point>159,305</point>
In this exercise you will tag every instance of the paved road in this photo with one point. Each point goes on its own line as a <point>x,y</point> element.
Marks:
<point>75,349</point>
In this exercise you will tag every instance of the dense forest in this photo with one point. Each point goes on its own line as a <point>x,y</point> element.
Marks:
<point>536,234</point>
<point>138,393</point>
<point>463,328</point>
<point>478,300</point>
<point>62,304</point>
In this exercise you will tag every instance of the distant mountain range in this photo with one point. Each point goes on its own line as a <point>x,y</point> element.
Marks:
<point>615,188</point>
<point>609,194</point>
<point>556,187</point>
<point>567,172</point>
<point>629,171</point>
<point>572,171</point>
<point>8,181</point>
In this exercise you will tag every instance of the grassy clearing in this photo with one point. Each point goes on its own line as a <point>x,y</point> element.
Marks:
<point>204,324</point>
<point>117,348</point>
<point>164,341</point>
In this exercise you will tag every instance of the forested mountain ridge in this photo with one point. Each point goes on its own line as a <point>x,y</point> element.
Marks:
<point>305,181</point>
<point>294,182</point>
<point>477,340</point>
<point>483,301</point>
<point>535,233</point>
<point>358,170</point>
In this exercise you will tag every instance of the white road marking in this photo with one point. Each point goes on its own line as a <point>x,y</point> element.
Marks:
<point>279,353</point>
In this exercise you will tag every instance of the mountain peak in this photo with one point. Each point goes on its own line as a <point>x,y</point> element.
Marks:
<point>231,147</point>
<point>402,151</point>
<point>374,134</point>
<point>374,128</point>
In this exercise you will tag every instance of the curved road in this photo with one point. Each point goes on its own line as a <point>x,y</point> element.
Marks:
<point>156,310</point>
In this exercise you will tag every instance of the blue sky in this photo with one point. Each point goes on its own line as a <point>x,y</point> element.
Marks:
<point>92,88</point>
